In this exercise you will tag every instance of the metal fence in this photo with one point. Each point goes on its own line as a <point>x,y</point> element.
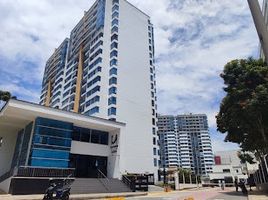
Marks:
<point>261,175</point>
<point>44,172</point>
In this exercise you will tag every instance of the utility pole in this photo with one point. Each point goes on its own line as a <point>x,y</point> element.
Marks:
<point>260,25</point>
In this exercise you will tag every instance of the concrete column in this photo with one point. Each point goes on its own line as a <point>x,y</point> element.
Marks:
<point>196,179</point>
<point>190,176</point>
<point>177,182</point>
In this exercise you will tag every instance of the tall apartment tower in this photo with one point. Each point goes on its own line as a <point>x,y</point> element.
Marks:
<point>106,69</point>
<point>185,142</point>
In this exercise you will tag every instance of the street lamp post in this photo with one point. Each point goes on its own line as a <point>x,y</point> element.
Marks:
<point>260,25</point>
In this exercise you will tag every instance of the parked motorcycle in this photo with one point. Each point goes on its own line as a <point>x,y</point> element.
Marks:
<point>60,190</point>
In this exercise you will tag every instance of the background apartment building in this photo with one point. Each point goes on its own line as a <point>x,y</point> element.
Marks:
<point>185,142</point>
<point>106,69</point>
<point>228,166</point>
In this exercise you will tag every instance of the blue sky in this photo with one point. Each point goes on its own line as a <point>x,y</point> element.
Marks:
<point>194,39</point>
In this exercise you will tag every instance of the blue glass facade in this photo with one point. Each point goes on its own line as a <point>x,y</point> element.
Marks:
<point>22,145</point>
<point>100,14</point>
<point>47,143</point>
<point>51,143</point>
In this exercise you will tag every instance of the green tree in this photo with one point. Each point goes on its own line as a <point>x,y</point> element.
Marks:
<point>243,114</point>
<point>246,157</point>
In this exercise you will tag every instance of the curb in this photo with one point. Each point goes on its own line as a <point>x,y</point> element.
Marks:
<point>105,196</point>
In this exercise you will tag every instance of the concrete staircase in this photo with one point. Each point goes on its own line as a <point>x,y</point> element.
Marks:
<point>98,185</point>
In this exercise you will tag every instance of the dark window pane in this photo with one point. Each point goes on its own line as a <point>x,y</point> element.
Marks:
<point>95,138</point>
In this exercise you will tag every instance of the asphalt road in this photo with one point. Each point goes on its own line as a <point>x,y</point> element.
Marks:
<point>203,194</point>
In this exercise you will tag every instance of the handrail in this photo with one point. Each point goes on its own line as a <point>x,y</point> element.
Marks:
<point>6,175</point>
<point>130,183</point>
<point>105,184</point>
<point>125,177</point>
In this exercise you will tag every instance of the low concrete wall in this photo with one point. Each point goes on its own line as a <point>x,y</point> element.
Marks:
<point>188,186</point>
<point>30,185</point>
<point>4,185</point>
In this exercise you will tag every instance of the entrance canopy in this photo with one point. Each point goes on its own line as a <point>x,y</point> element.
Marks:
<point>16,114</point>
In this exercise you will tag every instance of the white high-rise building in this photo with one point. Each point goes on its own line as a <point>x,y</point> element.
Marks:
<point>185,142</point>
<point>106,69</point>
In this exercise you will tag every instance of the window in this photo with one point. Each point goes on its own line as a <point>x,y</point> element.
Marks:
<point>113,62</point>
<point>114,29</point>
<point>93,100</point>
<point>115,8</point>
<point>115,14</point>
<point>154,141</point>
<point>114,53</point>
<point>226,170</point>
<point>103,137</point>
<point>155,162</point>
<point>112,100</point>
<point>154,150</point>
<point>154,131</point>
<point>85,135</point>
<point>113,71</point>
<point>112,111</point>
<point>112,90</point>
<point>114,45</point>
<point>95,89</point>
<point>93,110</point>
<point>112,80</point>
<point>95,138</point>
<point>92,82</point>
<point>89,135</point>
<point>115,22</point>
<point>153,121</point>
<point>114,37</point>
<point>115,1</point>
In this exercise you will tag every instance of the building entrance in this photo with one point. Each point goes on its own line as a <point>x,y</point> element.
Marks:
<point>87,166</point>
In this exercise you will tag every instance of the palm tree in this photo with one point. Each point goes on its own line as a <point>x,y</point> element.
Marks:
<point>5,96</point>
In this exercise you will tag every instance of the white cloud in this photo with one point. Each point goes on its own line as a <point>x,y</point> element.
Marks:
<point>193,39</point>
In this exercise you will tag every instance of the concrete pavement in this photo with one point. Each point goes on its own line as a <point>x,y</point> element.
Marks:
<point>202,194</point>
<point>257,195</point>
<point>77,196</point>
<point>195,194</point>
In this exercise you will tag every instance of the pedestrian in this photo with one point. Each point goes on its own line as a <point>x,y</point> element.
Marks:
<point>251,182</point>
<point>236,184</point>
<point>222,184</point>
<point>243,187</point>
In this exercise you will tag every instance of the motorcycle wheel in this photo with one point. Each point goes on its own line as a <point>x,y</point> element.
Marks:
<point>66,197</point>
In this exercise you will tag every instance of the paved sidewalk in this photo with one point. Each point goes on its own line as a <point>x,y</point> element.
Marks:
<point>76,196</point>
<point>256,195</point>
